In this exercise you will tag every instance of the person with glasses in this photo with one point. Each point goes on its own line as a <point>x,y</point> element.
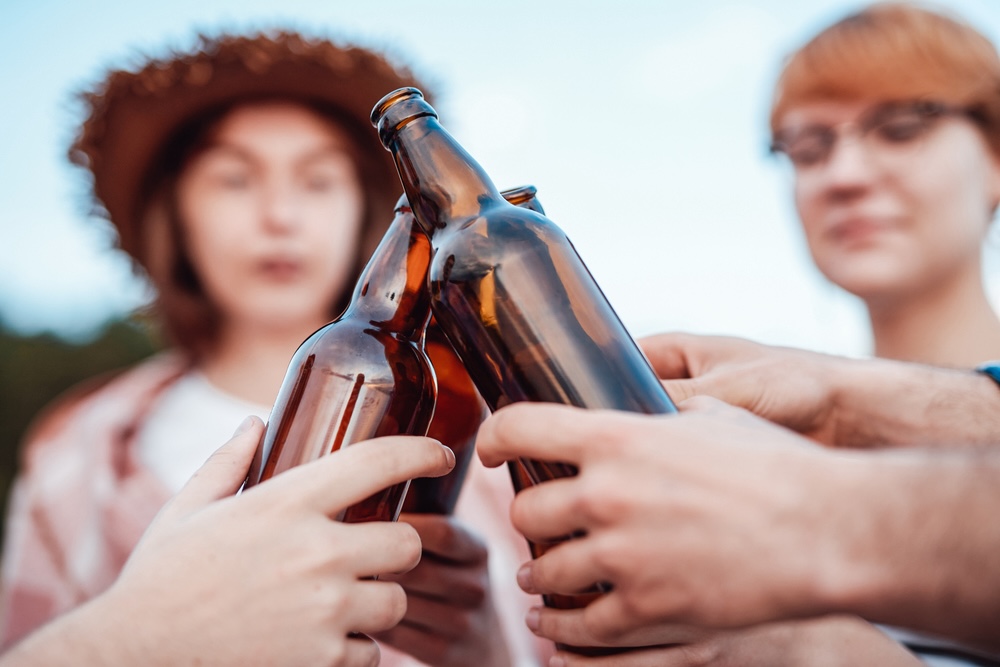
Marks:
<point>890,120</point>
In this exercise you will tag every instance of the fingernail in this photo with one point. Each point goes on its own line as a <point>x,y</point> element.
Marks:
<point>557,661</point>
<point>451,455</point>
<point>244,426</point>
<point>533,619</point>
<point>524,578</point>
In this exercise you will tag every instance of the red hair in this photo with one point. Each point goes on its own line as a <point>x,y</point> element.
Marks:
<point>895,51</point>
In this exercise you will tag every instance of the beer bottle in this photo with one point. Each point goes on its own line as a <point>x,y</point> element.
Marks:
<point>362,376</point>
<point>507,287</point>
<point>511,293</point>
<point>460,409</point>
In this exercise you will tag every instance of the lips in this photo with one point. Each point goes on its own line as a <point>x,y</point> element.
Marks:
<point>858,229</point>
<point>281,269</point>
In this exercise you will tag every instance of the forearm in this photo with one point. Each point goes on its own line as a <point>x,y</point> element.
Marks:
<point>829,641</point>
<point>887,403</point>
<point>92,634</point>
<point>923,555</point>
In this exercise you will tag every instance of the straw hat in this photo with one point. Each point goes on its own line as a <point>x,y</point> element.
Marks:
<point>134,113</point>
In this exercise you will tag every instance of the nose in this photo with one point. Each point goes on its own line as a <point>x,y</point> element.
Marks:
<point>850,166</point>
<point>279,206</point>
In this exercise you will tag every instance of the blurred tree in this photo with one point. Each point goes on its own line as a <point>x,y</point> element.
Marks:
<point>36,369</point>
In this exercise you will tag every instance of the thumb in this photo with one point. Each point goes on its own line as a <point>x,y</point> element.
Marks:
<point>224,471</point>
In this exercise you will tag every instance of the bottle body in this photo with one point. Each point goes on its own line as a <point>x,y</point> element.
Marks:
<point>362,376</point>
<point>531,324</point>
<point>458,413</point>
<point>510,291</point>
<point>460,409</point>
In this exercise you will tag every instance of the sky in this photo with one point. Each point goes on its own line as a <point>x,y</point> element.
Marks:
<point>641,122</point>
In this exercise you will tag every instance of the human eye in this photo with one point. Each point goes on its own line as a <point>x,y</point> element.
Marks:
<point>227,173</point>
<point>233,179</point>
<point>808,147</point>
<point>320,182</point>
<point>326,175</point>
<point>902,125</point>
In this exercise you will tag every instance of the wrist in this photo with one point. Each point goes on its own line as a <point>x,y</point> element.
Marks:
<point>94,633</point>
<point>889,533</point>
<point>859,501</point>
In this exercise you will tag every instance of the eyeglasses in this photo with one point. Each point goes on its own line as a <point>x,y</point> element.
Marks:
<point>890,127</point>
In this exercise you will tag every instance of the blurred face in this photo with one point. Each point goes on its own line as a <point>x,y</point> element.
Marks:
<point>271,211</point>
<point>893,199</point>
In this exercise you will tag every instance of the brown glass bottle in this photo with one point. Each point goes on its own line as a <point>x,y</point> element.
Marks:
<point>509,290</point>
<point>362,376</point>
<point>460,409</point>
<point>507,287</point>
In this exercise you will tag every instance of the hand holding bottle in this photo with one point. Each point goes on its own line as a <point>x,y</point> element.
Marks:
<point>709,517</point>
<point>265,577</point>
<point>834,400</point>
<point>450,619</point>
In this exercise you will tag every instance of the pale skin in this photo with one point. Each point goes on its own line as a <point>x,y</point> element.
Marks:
<point>450,619</point>
<point>743,522</point>
<point>257,206</point>
<point>216,572</point>
<point>756,514</point>
<point>902,227</point>
<point>835,401</point>
<point>272,211</point>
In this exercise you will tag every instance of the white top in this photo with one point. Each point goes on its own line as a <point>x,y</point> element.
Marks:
<point>191,420</point>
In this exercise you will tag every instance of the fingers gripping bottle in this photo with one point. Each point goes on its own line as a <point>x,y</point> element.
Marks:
<point>364,375</point>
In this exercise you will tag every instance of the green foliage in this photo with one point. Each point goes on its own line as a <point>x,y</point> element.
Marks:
<point>36,369</point>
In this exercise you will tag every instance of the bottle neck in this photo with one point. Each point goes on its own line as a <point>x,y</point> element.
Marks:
<point>391,293</point>
<point>443,183</point>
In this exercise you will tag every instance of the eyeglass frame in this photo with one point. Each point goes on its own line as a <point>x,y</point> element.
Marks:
<point>868,122</point>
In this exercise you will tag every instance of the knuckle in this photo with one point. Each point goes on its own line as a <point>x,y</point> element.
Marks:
<point>395,608</point>
<point>700,653</point>
<point>606,558</point>
<point>409,544</point>
<point>600,500</point>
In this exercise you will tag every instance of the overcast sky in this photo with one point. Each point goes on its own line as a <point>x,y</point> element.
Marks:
<point>641,123</point>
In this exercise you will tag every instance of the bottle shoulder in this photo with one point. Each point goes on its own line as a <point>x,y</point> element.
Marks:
<point>506,231</point>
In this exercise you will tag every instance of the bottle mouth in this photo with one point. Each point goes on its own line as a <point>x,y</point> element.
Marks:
<point>395,96</point>
<point>397,109</point>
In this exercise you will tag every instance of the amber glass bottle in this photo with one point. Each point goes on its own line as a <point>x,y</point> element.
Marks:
<point>362,376</point>
<point>509,290</point>
<point>507,287</point>
<point>460,409</point>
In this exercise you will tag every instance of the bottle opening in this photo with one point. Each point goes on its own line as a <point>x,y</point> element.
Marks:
<point>397,109</point>
<point>520,195</point>
<point>395,96</point>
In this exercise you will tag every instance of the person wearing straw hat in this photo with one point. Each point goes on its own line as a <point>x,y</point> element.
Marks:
<point>243,179</point>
